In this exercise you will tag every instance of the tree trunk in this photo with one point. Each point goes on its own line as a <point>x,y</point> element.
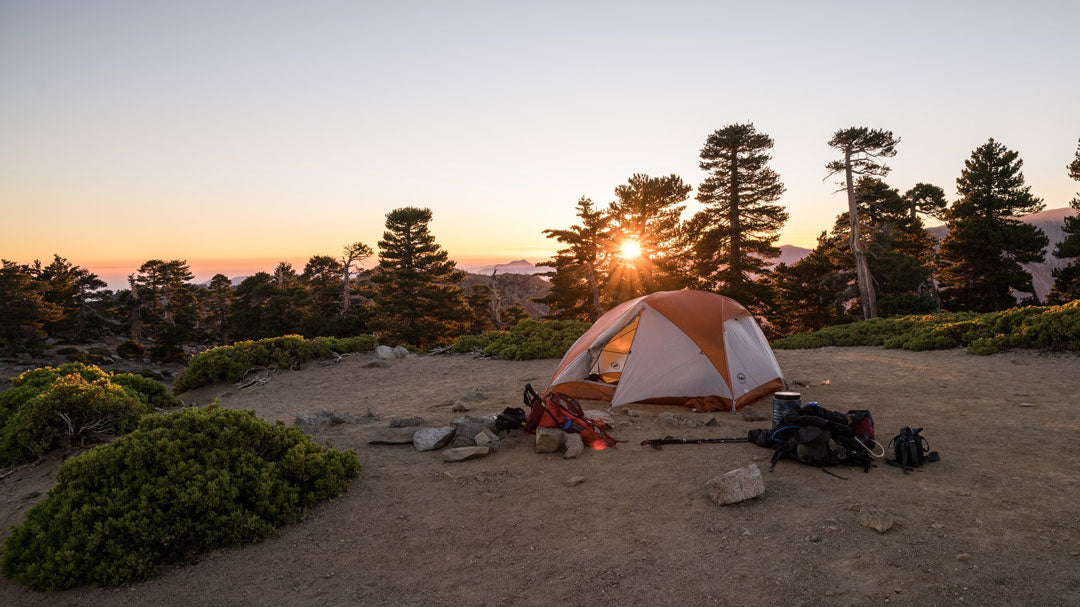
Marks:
<point>594,291</point>
<point>862,268</point>
<point>734,271</point>
<point>345,288</point>
<point>495,322</point>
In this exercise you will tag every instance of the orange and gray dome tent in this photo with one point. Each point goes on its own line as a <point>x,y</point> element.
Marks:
<point>669,347</point>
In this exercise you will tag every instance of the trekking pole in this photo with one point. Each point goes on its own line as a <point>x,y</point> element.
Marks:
<point>655,443</point>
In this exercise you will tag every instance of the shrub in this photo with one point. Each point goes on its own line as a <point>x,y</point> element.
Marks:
<point>475,343</point>
<point>230,363</point>
<point>530,339</point>
<point>182,482</point>
<point>1042,327</point>
<point>70,404</point>
<point>131,349</point>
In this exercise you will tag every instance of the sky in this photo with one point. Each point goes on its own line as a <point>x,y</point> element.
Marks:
<point>235,134</point>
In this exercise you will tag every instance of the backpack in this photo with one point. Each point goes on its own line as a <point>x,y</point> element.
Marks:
<point>557,410</point>
<point>816,436</point>
<point>911,450</point>
<point>511,418</point>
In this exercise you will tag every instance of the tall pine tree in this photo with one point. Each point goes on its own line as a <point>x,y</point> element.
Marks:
<point>734,236</point>
<point>648,211</point>
<point>862,149</point>
<point>418,296</point>
<point>1067,280</point>
<point>580,275</point>
<point>980,258</point>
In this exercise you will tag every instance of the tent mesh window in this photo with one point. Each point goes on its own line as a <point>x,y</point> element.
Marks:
<point>610,360</point>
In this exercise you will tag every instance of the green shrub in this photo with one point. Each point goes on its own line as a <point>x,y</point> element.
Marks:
<point>475,343</point>
<point>531,339</point>
<point>181,483</point>
<point>62,406</point>
<point>1041,327</point>
<point>230,363</point>
<point>131,349</point>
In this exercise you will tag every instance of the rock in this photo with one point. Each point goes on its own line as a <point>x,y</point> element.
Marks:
<point>377,364</point>
<point>876,519</point>
<point>467,428</point>
<point>548,440</point>
<point>712,421</point>
<point>735,486</point>
<point>936,526</point>
<point>604,416</point>
<point>633,413</point>
<point>460,454</point>
<point>115,357</point>
<point>402,352</point>
<point>405,422</point>
<point>752,414</point>
<point>670,420</point>
<point>392,436</point>
<point>459,407</point>
<point>429,439</point>
<point>692,423</point>
<point>574,446</point>
<point>485,437</point>
<point>574,481</point>
<point>322,419</point>
<point>384,353</point>
<point>963,556</point>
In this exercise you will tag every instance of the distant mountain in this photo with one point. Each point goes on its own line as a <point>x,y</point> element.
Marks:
<point>789,254</point>
<point>1050,221</point>
<point>516,288</point>
<point>521,266</point>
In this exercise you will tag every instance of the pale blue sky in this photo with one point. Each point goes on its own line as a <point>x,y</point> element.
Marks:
<point>265,130</point>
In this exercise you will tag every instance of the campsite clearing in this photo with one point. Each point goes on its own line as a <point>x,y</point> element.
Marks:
<point>997,521</point>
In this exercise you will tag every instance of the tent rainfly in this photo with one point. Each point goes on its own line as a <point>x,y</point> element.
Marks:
<point>670,347</point>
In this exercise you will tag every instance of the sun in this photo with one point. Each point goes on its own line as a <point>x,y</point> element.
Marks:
<point>630,249</point>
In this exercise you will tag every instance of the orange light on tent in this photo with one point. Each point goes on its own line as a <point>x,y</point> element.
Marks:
<point>630,249</point>
<point>598,445</point>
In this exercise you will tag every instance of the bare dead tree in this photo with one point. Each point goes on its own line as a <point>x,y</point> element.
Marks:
<point>354,253</point>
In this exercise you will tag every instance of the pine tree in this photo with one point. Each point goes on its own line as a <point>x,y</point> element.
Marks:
<point>648,211</point>
<point>579,266</point>
<point>217,301</point>
<point>1067,280</point>
<point>981,255</point>
<point>249,318</point>
<point>79,295</point>
<point>810,294</point>
<point>321,280</point>
<point>478,296</point>
<point>862,150</point>
<point>417,293</point>
<point>926,199</point>
<point>735,236</point>
<point>168,312</point>
<point>25,311</point>
<point>513,314</point>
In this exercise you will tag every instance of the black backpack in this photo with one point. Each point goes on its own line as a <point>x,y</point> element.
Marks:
<point>911,450</point>
<point>816,436</point>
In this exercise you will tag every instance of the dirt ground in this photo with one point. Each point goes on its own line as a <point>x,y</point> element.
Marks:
<point>506,529</point>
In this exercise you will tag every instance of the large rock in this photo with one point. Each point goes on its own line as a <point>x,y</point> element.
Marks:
<point>402,352</point>
<point>468,427</point>
<point>548,440</point>
<point>485,437</point>
<point>384,353</point>
<point>429,439</point>
<point>735,486</point>
<point>574,446</point>
<point>461,454</point>
<point>393,436</point>
<point>322,419</point>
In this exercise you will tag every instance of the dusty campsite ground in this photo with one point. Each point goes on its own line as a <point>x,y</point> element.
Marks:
<point>997,521</point>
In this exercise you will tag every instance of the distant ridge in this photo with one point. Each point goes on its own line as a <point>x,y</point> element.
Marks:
<point>520,266</point>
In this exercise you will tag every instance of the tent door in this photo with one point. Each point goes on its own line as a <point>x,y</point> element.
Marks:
<point>611,359</point>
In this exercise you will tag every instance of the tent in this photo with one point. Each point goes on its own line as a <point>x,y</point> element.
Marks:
<point>670,347</point>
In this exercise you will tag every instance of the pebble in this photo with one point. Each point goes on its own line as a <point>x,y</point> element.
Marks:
<point>963,556</point>
<point>459,406</point>
<point>574,481</point>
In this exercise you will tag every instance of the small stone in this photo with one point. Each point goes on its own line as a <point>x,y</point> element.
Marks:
<point>548,440</point>
<point>692,423</point>
<point>405,422</point>
<point>963,556</point>
<point>574,481</point>
<point>670,420</point>
<point>429,439</point>
<point>377,364</point>
<point>633,413</point>
<point>392,436</point>
<point>461,454</point>
<point>384,353</point>
<point>485,437</point>
<point>876,519</point>
<point>936,526</point>
<point>574,446</point>
<point>1027,404</point>
<point>604,416</point>
<point>735,486</point>
<point>402,352</point>
<point>712,421</point>
<point>468,427</point>
<point>459,407</point>
<point>752,414</point>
